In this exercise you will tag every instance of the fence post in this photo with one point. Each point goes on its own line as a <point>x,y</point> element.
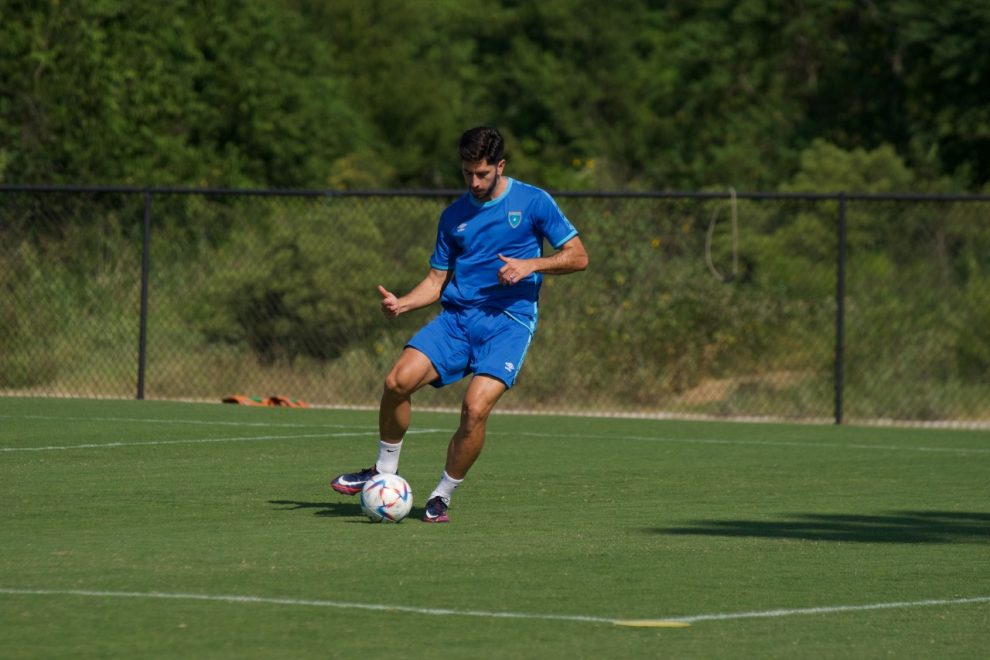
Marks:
<point>145,269</point>
<point>840,309</point>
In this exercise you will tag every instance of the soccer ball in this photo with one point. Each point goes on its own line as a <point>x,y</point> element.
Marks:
<point>386,498</point>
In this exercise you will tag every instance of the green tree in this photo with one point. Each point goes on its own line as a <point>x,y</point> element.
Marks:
<point>227,93</point>
<point>630,94</point>
<point>413,75</point>
<point>945,64</point>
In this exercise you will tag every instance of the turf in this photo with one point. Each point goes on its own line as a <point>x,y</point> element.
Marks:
<point>160,529</point>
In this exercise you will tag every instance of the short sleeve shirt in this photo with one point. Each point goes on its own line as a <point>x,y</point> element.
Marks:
<point>471,235</point>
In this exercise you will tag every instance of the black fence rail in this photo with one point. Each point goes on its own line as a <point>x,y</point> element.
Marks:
<point>824,307</point>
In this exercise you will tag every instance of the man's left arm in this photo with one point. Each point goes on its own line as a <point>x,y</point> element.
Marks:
<point>570,258</point>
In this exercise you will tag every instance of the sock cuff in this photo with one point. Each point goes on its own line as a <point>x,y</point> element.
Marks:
<point>388,456</point>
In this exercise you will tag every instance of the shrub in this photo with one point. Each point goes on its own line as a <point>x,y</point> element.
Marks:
<point>302,287</point>
<point>28,321</point>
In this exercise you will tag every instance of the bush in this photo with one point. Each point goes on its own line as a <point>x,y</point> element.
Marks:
<point>27,321</point>
<point>303,286</point>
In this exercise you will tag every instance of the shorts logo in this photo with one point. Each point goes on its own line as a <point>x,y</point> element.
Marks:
<point>515,218</point>
<point>509,367</point>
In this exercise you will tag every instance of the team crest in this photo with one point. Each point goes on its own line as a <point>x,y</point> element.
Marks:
<point>515,218</point>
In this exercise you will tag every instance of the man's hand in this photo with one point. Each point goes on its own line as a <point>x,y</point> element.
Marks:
<point>571,257</point>
<point>514,270</point>
<point>390,303</point>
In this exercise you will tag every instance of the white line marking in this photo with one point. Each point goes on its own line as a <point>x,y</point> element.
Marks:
<point>190,441</point>
<point>304,603</point>
<point>811,444</point>
<point>710,441</point>
<point>200,441</point>
<point>434,611</point>
<point>145,420</point>
<point>830,610</point>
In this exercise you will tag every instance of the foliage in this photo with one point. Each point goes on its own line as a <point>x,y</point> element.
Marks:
<point>28,357</point>
<point>176,93</point>
<point>69,301</point>
<point>369,93</point>
<point>292,292</point>
<point>630,95</point>
<point>287,302</point>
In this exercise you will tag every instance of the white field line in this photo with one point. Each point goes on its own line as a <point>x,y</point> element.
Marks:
<point>199,441</point>
<point>433,611</point>
<point>833,609</point>
<point>145,420</point>
<point>574,436</point>
<point>811,444</point>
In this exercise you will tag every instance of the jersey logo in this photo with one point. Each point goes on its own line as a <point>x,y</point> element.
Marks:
<point>461,227</point>
<point>515,218</point>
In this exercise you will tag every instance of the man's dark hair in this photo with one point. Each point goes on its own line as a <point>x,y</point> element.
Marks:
<point>482,143</point>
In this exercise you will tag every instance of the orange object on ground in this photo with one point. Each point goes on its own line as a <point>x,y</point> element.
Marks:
<point>275,400</point>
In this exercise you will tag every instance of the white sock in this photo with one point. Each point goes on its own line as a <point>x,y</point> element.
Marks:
<point>388,456</point>
<point>445,489</point>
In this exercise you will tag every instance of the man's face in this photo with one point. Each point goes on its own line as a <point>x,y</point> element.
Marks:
<point>482,178</point>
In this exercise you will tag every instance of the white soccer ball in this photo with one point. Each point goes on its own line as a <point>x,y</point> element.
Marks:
<point>386,498</point>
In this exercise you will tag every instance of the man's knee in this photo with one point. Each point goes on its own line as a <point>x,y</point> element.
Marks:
<point>397,384</point>
<point>475,412</point>
<point>407,376</point>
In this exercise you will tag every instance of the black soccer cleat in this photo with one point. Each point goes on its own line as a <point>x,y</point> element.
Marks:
<point>436,511</point>
<point>351,483</point>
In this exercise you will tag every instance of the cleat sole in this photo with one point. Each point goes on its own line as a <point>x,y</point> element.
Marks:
<point>346,490</point>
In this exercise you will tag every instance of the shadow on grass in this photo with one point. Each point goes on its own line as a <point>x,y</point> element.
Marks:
<point>333,509</point>
<point>329,509</point>
<point>895,527</point>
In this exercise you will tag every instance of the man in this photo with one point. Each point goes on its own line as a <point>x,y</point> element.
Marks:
<point>486,270</point>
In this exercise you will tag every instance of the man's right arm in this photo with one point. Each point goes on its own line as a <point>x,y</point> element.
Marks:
<point>423,294</point>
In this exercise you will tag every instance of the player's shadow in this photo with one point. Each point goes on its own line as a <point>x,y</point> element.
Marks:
<point>326,509</point>
<point>894,527</point>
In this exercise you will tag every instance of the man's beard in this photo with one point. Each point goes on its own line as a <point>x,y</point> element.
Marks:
<point>488,193</point>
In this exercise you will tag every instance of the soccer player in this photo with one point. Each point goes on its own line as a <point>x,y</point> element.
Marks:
<point>486,271</point>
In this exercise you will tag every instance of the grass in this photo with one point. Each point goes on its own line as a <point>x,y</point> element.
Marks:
<point>116,513</point>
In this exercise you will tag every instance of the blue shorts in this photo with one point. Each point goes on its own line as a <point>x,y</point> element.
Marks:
<point>474,341</point>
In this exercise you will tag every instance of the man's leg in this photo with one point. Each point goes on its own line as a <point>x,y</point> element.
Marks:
<point>465,446</point>
<point>410,372</point>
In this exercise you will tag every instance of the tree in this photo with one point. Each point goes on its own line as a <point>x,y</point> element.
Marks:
<point>228,93</point>
<point>630,94</point>
<point>943,60</point>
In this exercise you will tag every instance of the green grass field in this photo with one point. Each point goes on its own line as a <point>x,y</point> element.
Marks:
<point>153,529</point>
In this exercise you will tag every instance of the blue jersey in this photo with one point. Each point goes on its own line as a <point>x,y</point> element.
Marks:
<point>472,234</point>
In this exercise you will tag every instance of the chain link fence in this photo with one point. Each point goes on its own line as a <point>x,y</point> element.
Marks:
<point>801,307</point>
